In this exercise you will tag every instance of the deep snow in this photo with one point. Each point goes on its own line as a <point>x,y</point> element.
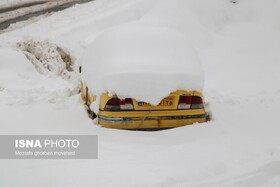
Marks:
<point>238,44</point>
<point>142,62</point>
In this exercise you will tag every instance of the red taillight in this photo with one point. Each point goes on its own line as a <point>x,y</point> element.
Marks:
<point>116,104</point>
<point>113,104</point>
<point>185,102</point>
<point>126,104</point>
<point>190,102</point>
<point>197,102</point>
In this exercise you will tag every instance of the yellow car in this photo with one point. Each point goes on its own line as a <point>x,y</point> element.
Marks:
<point>178,109</point>
<point>136,55</point>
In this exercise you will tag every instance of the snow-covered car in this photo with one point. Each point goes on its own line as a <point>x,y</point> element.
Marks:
<point>143,77</point>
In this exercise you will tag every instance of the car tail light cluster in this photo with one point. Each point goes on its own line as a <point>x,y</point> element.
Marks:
<point>116,104</point>
<point>126,104</point>
<point>190,102</point>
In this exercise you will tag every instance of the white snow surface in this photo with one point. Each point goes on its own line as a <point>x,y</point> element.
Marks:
<point>5,2</point>
<point>22,85</point>
<point>238,45</point>
<point>142,62</point>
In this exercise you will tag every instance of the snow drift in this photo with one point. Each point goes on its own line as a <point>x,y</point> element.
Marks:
<point>21,84</point>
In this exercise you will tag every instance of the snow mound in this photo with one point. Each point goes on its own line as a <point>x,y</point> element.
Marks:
<point>21,84</point>
<point>142,62</point>
<point>48,58</point>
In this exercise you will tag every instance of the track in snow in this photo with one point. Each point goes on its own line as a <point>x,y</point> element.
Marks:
<point>22,11</point>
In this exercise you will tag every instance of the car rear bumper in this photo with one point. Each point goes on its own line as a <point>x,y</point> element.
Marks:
<point>151,119</point>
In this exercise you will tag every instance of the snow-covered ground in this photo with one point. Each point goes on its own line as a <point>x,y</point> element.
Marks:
<point>238,45</point>
<point>26,10</point>
<point>16,2</point>
<point>4,2</point>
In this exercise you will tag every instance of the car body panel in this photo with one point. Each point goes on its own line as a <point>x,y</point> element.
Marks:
<point>174,95</point>
<point>149,124</point>
<point>151,117</point>
<point>146,116</point>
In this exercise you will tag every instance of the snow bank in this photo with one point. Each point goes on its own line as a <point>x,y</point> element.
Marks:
<point>12,60</point>
<point>141,62</point>
<point>49,58</point>
<point>21,84</point>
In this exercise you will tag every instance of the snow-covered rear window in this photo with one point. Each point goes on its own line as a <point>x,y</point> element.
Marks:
<point>141,62</point>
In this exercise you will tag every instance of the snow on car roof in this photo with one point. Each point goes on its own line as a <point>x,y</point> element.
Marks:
<point>142,62</point>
